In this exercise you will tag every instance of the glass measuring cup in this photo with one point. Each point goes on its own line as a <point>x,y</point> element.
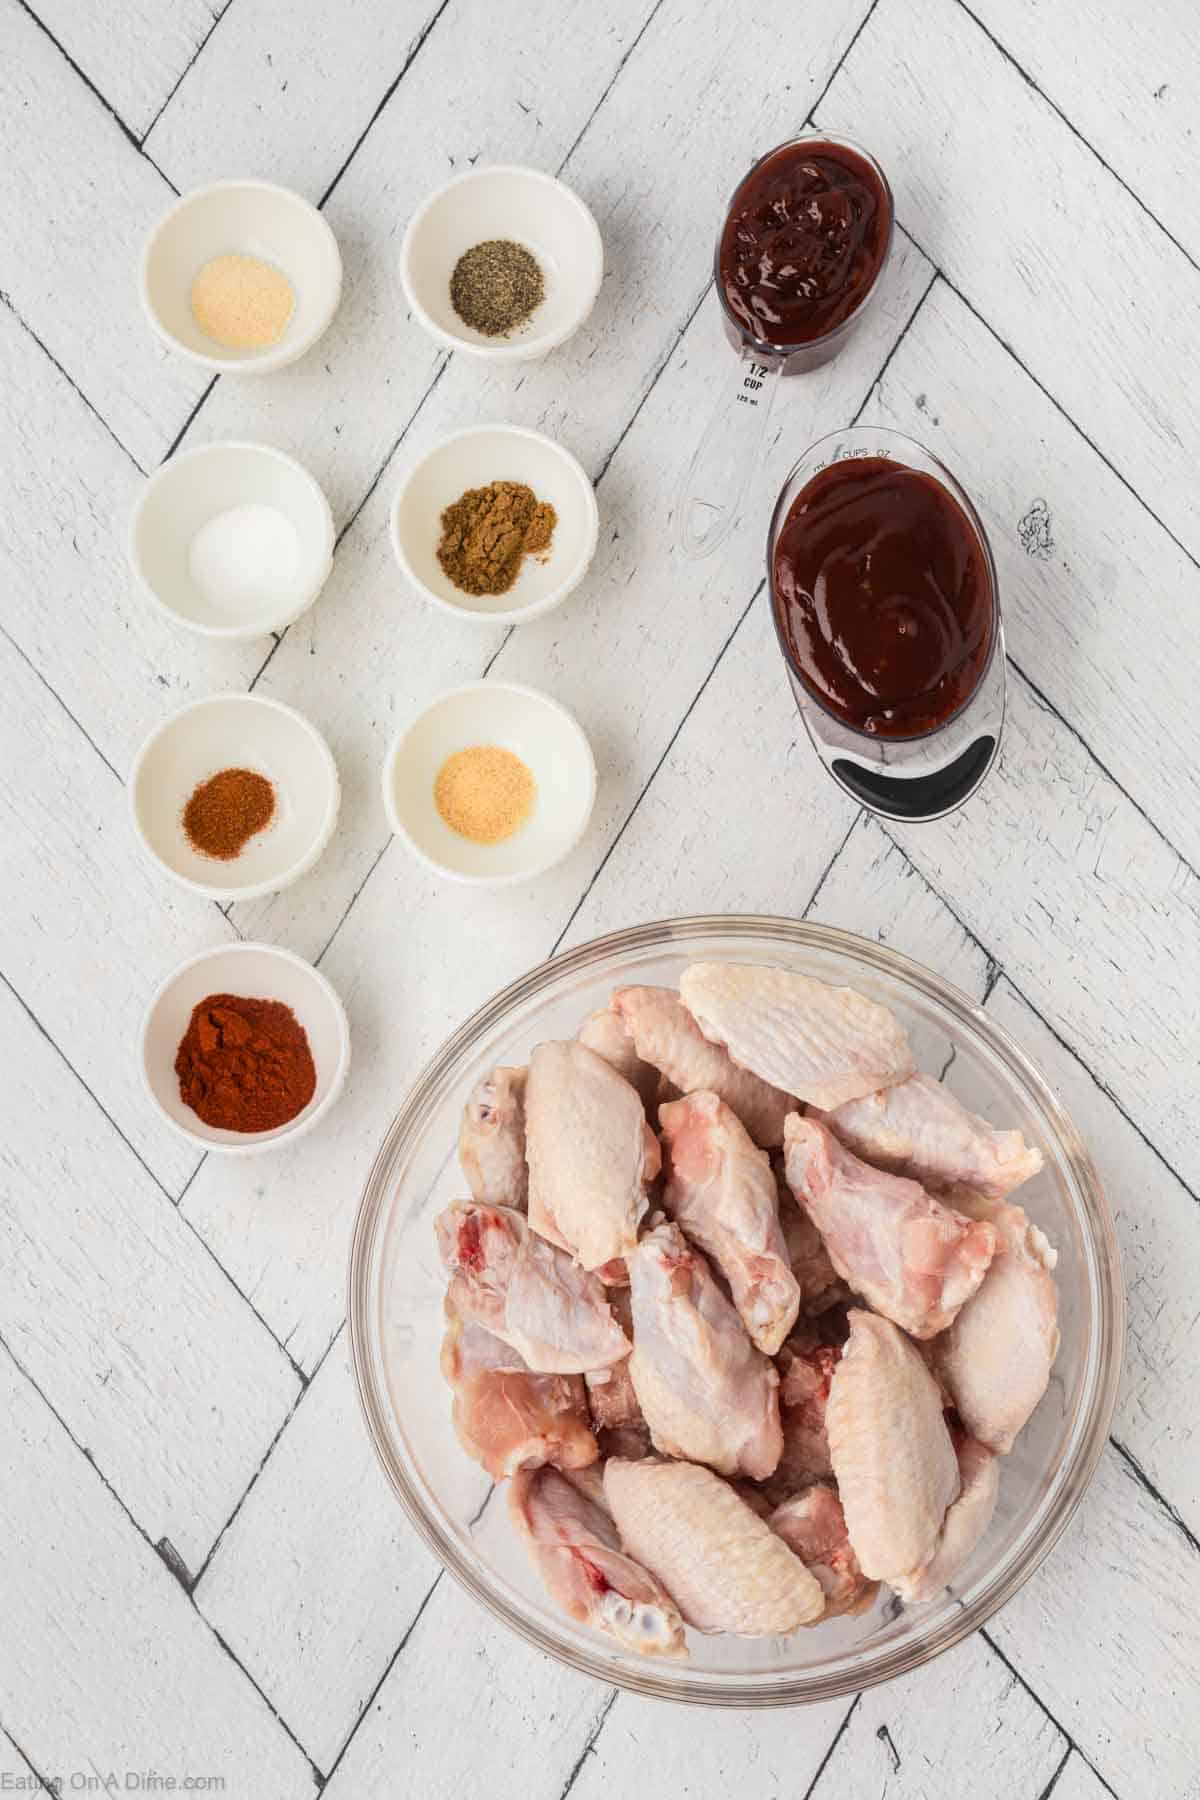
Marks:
<point>922,776</point>
<point>729,452</point>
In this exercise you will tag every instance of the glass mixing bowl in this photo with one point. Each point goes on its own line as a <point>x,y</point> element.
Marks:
<point>397,1283</point>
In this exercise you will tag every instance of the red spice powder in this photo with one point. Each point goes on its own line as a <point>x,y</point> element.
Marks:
<point>245,1065</point>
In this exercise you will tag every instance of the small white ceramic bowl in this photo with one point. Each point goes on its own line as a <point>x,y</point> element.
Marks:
<point>528,208</point>
<point>241,218</point>
<point>535,728</point>
<point>235,731</point>
<point>470,459</point>
<point>225,601</point>
<point>252,972</point>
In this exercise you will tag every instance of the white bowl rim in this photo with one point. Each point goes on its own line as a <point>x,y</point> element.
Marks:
<point>533,609</point>
<point>245,631</point>
<point>396,748</point>
<point>257,889</point>
<point>304,1122</point>
<point>513,349</point>
<point>262,362</point>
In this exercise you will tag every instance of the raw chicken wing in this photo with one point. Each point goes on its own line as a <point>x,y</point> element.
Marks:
<point>825,1044</point>
<point>666,1035</point>
<point>706,1392</point>
<point>491,1143</point>
<point>722,1191</point>
<point>725,1567</point>
<point>526,1292</point>
<point>806,1364</point>
<point>997,1355</point>
<point>966,1521</point>
<point>611,1397</point>
<point>892,1454</point>
<point>814,1526</point>
<point>819,1282</point>
<point>911,1257</point>
<point>918,1128</point>
<point>609,1036</point>
<point>575,1545</point>
<point>507,1417</point>
<point>753,1496</point>
<point>630,1442</point>
<point>591,1153</point>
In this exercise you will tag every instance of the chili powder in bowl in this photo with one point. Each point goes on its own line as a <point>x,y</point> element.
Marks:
<point>244,1048</point>
<point>235,796</point>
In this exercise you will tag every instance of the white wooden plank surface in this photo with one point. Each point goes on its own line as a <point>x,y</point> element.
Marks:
<point>320,1575</point>
<point>15,1772</point>
<point>1079,1781</point>
<point>1128,79</point>
<point>1160,1246</point>
<point>293,84</point>
<point>16,1776</point>
<point>134,53</point>
<point>86,929</point>
<point>76,201</point>
<point>1108,1634</point>
<point>70,601</point>
<point>1066,265</point>
<point>873,889</point>
<point>104,1662</point>
<point>467,1709</point>
<point>158,1367</point>
<point>709,797</point>
<point>789,824</point>
<point>1095,926</point>
<point>282,1232</point>
<point>1086,574</point>
<point>967,1712</point>
<point>703,1754</point>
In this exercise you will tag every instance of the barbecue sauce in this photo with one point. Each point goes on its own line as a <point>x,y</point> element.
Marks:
<point>806,234</point>
<point>883,597</point>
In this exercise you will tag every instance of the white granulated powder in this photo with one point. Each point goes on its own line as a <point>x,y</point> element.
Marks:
<point>245,558</point>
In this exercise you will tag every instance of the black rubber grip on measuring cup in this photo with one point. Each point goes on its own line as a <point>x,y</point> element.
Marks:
<point>918,797</point>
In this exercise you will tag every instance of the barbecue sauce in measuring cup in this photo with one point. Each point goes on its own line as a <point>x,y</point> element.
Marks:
<point>804,241</point>
<point>883,595</point>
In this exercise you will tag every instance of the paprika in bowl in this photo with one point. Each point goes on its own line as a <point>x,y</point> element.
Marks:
<point>244,1048</point>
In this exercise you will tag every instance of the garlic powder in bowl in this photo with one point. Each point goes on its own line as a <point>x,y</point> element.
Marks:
<point>241,276</point>
<point>492,784</point>
<point>242,303</point>
<point>484,793</point>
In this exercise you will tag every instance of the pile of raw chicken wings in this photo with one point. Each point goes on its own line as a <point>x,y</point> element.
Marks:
<point>741,1309</point>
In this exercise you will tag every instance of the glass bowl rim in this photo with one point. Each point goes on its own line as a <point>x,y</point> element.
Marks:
<point>1102,1362</point>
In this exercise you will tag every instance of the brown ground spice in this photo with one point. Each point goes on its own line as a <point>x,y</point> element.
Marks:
<point>226,811</point>
<point>487,532</point>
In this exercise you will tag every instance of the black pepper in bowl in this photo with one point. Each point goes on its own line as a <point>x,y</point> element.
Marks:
<point>496,286</point>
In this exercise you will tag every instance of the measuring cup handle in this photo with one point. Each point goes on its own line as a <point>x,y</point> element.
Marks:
<point>727,456</point>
